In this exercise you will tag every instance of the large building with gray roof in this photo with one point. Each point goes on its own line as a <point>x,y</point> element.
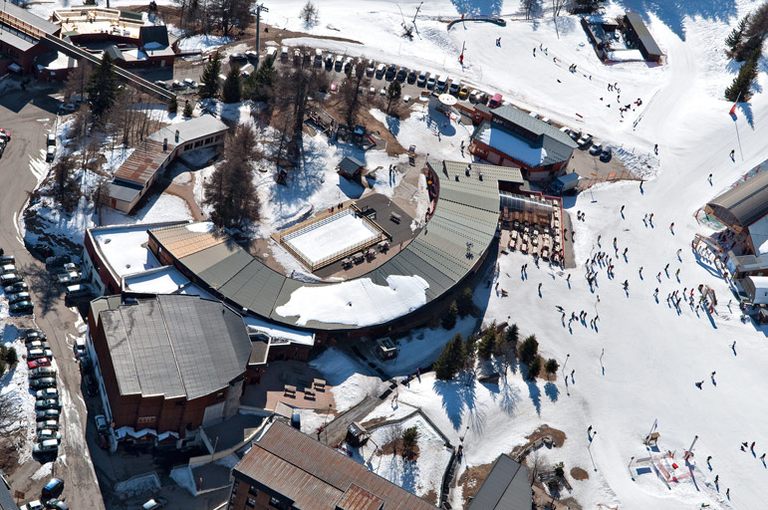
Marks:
<point>448,250</point>
<point>169,364</point>
<point>509,136</point>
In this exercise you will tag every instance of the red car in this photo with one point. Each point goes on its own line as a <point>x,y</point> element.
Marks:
<point>6,133</point>
<point>39,362</point>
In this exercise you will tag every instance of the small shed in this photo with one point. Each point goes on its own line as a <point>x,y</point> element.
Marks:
<point>756,288</point>
<point>638,31</point>
<point>351,168</point>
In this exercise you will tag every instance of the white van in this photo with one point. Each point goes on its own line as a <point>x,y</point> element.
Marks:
<point>50,153</point>
<point>271,52</point>
<point>283,53</point>
<point>78,290</point>
<point>442,81</point>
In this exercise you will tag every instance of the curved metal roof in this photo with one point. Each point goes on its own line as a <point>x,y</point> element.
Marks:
<point>743,204</point>
<point>455,239</point>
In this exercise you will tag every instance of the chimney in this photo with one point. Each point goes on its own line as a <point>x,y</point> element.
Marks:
<point>165,144</point>
<point>177,136</point>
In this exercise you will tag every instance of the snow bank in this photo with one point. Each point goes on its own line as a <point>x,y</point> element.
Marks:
<point>350,380</point>
<point>359,302</point>
<point>202,43</point>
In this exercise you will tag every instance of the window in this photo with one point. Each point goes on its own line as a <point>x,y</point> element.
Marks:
<point>251,502</point>
<point>145,420</point>
<point>253,491</point>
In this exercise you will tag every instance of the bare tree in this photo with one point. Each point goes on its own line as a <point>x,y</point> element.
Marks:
<point>77,80</point>
<point>350,92</point>
<point>294,87</point>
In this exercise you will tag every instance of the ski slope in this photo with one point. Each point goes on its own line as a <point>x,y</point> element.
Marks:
<point>641,362</point>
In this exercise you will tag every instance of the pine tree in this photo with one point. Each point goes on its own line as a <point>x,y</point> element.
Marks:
<point>209,86</point>
<point>449,318</point>
<point>739,90</point>
<point>487,344</point>
<point>511,334</point>
<point>259,85</point>
<point>102,89</point>
<point>465,303</point>
<point>410,438</point>
<point>230,191</point>
<point>534,368</point>
<point>232,90</point>
<point>451,359</point>
<point>189,109</point>
<point>173,105</point>
<point>551,366</point>
<point>734,38</point>
<point>309,15</point>
<point>11,357</point>
<point>529,349</point>
<point>393,92</point>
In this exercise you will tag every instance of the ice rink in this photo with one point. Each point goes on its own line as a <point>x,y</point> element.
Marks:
<point>336,233</point>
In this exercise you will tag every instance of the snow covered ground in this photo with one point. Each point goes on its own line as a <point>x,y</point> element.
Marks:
<point>641,361</point>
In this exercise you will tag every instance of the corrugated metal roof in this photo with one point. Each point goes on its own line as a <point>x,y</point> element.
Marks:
<point>743,204</point>
<point>175,345</point>
<point>143,163</point>
<point>316,477</point>
<point>357,498</point>
<point>467,212</point>
<point>646,39</point>
<point>505,488</point>
<point>31,19</point>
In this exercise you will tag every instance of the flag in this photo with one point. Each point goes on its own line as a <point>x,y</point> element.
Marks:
<point>732,113</point>
<point>461,58</point>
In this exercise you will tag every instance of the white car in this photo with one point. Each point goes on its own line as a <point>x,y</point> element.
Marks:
<point>32,505</point>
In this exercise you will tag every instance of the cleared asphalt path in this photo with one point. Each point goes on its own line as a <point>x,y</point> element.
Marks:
<point>29,115</point>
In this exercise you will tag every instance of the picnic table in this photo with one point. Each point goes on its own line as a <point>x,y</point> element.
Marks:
<point>319,384</point>
<point>289,390</point>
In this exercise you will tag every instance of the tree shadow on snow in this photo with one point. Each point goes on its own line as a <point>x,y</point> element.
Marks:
<point>672,13</point>
<point>534,393</point>
<point>457,396</point>
<point>551,390</point>
<point>478,7</point>
<point>746,109</point>
<point>410,476</point>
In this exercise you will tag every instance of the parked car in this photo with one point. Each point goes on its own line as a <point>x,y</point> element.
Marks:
<point>161,84</point>
<point>431,83</point>
<point>412,76</point>
<point>338,63</point>
<point>7,259</point>
<point>454,89</point>
<point>23,307</point>
<point>584,141</point>
<point>370,70</point>
<point>37,344</point>
<point>380,69</point>
<point>45,382</point>
<point>8,268</point>
<point>39,362</point>
<point>421,81</point>
<point>19,296</point>
<point>68,277</point>
<point>33,354</point>
<point>46,434</point>
<point>32,335</point>
<point>177,85</point>
<point>596,149</point>
<point>253,57</point>
<point>154,504</point>
<point>442,82</point>
<point>50,139</point>
<point>47,414</point>
<point>48,424</point>
<point>47,404</point>
<point>46,446</point>
<point>5,134</point>
<point>66,108</point>
<point>606,155</point>
<point>391,72</point>
<point>402,74</point>
<point>56,504</point>
<point>40,372</point>
<point>495,101</point>
<point>463,93</point>
<point>16,287</point>
<point>239,58</point>
<point>9,278</point>
<point>52,489</point>
<point>79,347</point>
<point>47,393</point>
<point>101,422</point>
<point>33,505</point>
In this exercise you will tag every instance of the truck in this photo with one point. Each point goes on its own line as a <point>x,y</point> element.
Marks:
<point>564,183</point>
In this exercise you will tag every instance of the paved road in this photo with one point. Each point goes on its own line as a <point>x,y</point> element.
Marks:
<point>30,115</point>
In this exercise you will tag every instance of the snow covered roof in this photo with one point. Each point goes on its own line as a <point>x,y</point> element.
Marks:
<point>434,262</point>
<point>29,18</point>
<point>743,204</point>
<point>162,280</point>
<point>190,130</point>
<point>279,332</point>
<point>523,137</point>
